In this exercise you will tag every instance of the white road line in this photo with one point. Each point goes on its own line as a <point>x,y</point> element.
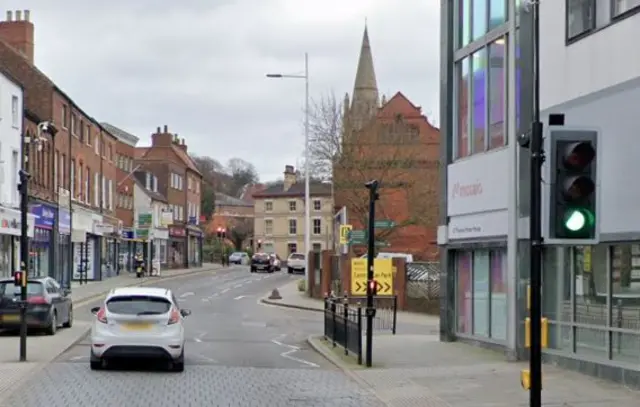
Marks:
<point>226,290</point>
<point>237,286</point>
<point>79,358</point>
<point>199,337</point>
<point>292,349</point>
<point>240,297</point>
<point>205,299</point>
<point>214,295</point>
<point>206,359</point>
<point>189,294</point>
<point>249,282</point>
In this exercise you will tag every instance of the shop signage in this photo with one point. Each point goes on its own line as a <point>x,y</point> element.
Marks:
<point>102,229</point>
<point>166,217</point>
<point>478,184</point>
<point>45,216</point>
<point>63,198</point>
<point>193,220</point>
<point>177,232</point>
<point>145,220</point>
<point>142,233</point>
<point>10,223</point>
<point>64,221</point>
<point>478,225</point>
<point>128,234</point>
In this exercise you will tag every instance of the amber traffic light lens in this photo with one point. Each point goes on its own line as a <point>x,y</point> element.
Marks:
<point>577,188</point>
<point>579,155</point>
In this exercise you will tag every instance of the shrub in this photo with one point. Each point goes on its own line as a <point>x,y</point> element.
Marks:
<point>302,285</point>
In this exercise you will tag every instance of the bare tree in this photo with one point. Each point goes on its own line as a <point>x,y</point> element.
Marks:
<point>242,173</point>
<point>325,135</point>
<point>391,151</point>
<point>240,229</point>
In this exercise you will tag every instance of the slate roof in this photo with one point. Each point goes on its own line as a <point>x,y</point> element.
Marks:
<point>140,177</point>
<point>276,190</point>
<point>121,134</point>
<point>226,200</point>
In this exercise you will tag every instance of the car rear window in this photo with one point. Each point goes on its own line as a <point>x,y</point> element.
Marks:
<point>261,256</point>
<point>297,256</point>
<point>138,304</point>
<point>8,289</point>
<point>237,254</point>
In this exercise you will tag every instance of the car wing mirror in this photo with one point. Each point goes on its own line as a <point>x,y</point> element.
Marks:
<point>185,312</point>
<point>95,310</point>
<point>66,292</point>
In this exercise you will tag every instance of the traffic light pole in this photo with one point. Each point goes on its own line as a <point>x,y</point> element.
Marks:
<point>24,244</point>
<point>370,311</point>
<point>535,224</point>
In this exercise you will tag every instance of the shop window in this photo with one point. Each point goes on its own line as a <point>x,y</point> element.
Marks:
<point>464,296</point>
<point>462,108</point>
<point>497,95</point>
<point>479,98</point>
<point>499,304</point>
<point>481,295</point>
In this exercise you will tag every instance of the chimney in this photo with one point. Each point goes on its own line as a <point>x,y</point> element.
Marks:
<point>19,33</point>
<point>161,139</point>
<point>166,129</point>
<point>289,177</point>
<point>182,145</point>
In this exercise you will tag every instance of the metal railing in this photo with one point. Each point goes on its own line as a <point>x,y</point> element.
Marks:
<point>386,306</point>
<point>343,326</point>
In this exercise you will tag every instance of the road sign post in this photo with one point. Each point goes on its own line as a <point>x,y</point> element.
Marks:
<point>372,186</point>
<point>384,224</point>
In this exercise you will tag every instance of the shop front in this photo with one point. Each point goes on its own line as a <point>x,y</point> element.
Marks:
<point>177,247</point>
<point>477,199</point>
<point>194,246</point>
<point>159,253</point>
<point>41,253</point>
<point>86,245</point>
<point>107,230</point>
<point>10,231</point>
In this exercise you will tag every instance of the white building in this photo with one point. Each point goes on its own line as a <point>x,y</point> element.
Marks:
<point>152,216</point>
<point>11,127</point>
<point>589,73</point>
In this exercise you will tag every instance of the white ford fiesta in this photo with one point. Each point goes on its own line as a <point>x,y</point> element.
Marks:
<point>138,322</point>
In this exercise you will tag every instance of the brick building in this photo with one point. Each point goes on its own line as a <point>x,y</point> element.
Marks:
<point>73,173</point>
<point>181,183</point>
<point>393,142</point>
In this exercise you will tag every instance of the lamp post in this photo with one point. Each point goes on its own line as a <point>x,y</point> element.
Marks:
<point>307,198</point>
<point>37,141</point>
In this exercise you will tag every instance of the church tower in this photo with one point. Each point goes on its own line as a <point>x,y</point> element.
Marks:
<point>364,101</point>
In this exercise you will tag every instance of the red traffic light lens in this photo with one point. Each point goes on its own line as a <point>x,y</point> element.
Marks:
<point>578,155</point>
<point>578,188</point>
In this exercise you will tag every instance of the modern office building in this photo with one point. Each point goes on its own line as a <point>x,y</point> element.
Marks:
<point>591,294</point>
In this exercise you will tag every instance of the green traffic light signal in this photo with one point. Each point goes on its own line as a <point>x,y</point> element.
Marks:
<point>579,221</point>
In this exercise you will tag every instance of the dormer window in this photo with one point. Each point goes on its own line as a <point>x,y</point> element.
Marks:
<point>148,181</point>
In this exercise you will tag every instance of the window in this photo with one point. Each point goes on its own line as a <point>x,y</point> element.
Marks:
<point>292,248</point>
<point>63,171</point>
<point>317,247</point>
<point>80,181</point>
<point>463,117</point>
<point>87,187</point>
<point>103,195</point>
<point>15,112</point>
<point>110,194</point>
<point>56,171</point>
<point>317,205</point>
<point>72,177</point>
<point>268,227</point>
<point>73,124</point>
<point>317,226</point>
<point>622,6</point>
<point>65,118</point>
<point>82,131</point>
<point>110,152</point>
<point>293,226</point>
<point>497,95</point>
<point>584,16</point>
<point>15,167</point>
<point>96,189</point>
<point>89,135</point>
<point>292,206</point>
<point>268,206</point>
<point>96,145</point>
<point>478,87</point>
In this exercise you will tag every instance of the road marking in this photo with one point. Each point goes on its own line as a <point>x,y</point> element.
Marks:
<point>292,349</point>
<point>79,357</point>
<point>249,282</point>
<point>225,290</point>
<point>240,297</point>
<point>237,286</point>
<point>210,360</point>
<point>204,299</point>
<point>189,294</point>
<point>214,295</point>
<point>199,337</point>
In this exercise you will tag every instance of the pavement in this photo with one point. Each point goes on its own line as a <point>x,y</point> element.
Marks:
<point>414,368</point>
<point>239,352</point>
<point>42,349</point>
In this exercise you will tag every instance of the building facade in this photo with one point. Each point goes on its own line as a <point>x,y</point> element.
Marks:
<point>152,219</point>
<point>180,183</point>
<point>11,128</point>
<point>279,216</point>
<point>590,293</point>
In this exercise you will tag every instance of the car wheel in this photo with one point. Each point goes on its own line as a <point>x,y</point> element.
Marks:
<point>290,271</point>
<point>96,364</point>
<point>51,330</point>
<point>253,270</point>
<point>69,322</point>
<point>177,365</point>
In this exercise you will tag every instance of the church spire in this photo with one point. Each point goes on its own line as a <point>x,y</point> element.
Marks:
<point>364,103</point>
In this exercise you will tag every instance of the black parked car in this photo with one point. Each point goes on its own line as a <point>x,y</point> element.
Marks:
<point>262,262</point>
<point>49,305</point>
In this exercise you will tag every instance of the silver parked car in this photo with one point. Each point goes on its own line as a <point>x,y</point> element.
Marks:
<point>241,258</point>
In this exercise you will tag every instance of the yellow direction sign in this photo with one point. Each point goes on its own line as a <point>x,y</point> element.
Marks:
<point>382,274</point>
<point>345,230</point>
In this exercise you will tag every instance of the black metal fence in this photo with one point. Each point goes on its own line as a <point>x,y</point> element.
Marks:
<point>343,326</point>
<point>423,287</point>
<point>386,306</point>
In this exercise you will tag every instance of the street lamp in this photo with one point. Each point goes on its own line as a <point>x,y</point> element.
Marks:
<point>37,141</point>
<point>307,198</point>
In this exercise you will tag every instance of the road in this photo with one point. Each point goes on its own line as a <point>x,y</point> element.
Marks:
<point>239,353</point>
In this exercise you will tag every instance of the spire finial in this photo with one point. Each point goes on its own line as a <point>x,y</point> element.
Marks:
<point>365,22</point>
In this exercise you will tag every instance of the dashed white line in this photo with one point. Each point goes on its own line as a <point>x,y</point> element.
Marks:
<point>240,297</point>
<point>199,337</point>
<point>189,294</point>
<point>237,286</point>
<point>292,349</point>
<point>225,290</point>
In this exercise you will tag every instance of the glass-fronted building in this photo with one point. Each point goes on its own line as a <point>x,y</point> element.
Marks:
<point>591,294</point>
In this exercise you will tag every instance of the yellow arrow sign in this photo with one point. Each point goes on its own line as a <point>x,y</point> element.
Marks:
<point>345,230</point>
<point>382,274</point>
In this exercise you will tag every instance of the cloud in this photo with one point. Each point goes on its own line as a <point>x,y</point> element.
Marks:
<point>199,66</point>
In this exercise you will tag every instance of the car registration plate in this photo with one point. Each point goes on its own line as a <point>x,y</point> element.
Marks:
<point>137,326</point>
<point>10,318</point>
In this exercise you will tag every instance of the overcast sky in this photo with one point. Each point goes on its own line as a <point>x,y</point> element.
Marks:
<point>199,66</point>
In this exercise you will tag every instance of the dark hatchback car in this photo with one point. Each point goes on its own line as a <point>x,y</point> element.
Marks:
<point>48,305</point>
<point>262,262</point>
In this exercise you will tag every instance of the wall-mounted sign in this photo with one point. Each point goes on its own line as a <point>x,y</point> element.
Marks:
<point>145,220</point>
<point>177,232</point>
<point>166,217</point>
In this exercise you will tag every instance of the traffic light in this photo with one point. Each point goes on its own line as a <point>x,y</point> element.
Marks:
<point>373,287</point>
<point>18,279</point>
<point>573,193</point>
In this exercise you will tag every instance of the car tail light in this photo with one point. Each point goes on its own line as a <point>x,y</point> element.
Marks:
<point>102,315</point>
<point>174,318</point>
<point>37,300</point>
